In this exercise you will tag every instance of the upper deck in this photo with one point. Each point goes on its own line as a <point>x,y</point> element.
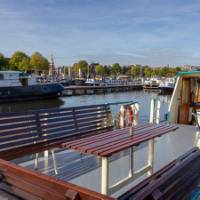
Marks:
<point>85,170</point>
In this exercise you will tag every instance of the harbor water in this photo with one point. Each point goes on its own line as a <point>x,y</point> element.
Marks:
<point>142,97</point>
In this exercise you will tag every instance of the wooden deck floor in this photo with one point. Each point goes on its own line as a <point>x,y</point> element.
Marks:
<point>84,170</point>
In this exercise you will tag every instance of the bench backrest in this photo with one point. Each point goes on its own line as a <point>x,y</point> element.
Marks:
<point>45,126</point>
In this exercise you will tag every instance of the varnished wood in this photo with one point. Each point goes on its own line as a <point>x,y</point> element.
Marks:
<point>105,145</point>
<point>31,185</point>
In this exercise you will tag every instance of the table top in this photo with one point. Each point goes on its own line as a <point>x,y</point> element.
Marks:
<point>108,143</point>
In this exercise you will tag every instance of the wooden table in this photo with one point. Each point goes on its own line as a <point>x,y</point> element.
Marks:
<point>106,144</point>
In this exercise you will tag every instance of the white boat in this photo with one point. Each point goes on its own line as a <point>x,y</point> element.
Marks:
<point>16,85</point>
<point>151,84</point>
<point>167,86</point>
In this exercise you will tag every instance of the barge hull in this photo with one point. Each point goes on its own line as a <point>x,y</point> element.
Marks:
<point>18,93</point>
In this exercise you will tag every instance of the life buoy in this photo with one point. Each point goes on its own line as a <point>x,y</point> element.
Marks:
<point>125,117</point>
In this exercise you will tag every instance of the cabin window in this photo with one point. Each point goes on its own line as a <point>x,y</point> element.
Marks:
<point>1,77</point>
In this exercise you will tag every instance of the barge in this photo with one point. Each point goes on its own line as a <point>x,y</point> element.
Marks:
<point>17,86</point>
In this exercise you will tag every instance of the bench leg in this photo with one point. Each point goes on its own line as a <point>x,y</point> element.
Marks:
<point>150,156</point>
<point>36,160</point>
<point>104,175</point>
<point>131,162</point>
<point>54,161</point>
<point>46,159</point>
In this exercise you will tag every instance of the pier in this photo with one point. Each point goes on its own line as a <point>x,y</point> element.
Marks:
<point>87,90</point>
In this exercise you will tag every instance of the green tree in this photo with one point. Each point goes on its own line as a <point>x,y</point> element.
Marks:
<point>38,62</point>
<point>75,69</point>
<point>19,61</point>
<point>108,70</point>
<point>148,71</point>
<point>116,69</point>
<point>178,69</point>
<point>3,62</point>
<point>100,70</point>
<point>135,71</point>
<point>83,65</point>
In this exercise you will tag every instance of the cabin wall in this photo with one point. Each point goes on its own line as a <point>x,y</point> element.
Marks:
<point>175,101</point>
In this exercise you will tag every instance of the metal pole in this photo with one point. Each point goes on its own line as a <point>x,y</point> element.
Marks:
<point>36,160</point>
<point>197,139</point>
<point>158,112</point>
<point>135,108</point>
<point>122,120</point>
<point>104,175</point>
<point>54,161</point>
<point>131,154</point>
<point>150,155</point>
<point>151,111</point>
<point>46,159</point>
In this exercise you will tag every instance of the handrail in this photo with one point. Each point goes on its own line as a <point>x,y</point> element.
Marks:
<point>66,108</point>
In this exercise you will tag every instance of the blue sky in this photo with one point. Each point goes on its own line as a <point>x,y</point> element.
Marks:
<point>154,32</point>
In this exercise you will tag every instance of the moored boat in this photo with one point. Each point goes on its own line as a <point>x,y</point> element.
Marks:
<point>167,86</point>
<point>16,86</point>
<point>151,84</point>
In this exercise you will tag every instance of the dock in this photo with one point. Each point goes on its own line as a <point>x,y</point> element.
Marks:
<point>89,90</point>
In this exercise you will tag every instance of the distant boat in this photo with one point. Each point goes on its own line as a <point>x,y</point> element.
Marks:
<point>167,86</point>
<point>16,86</point>
<point>79,81</point>
<point>94,82</point>
<point>151,84</point>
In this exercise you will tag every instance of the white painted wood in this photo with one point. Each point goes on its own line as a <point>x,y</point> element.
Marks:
<point>36,160</point>
<point>46,159</point>
<point>122,183</point>
<point>175,101</point>
<point>151,155</point>
<point>104,175</point>
<point>121,120</point>
<point>151,111</point>
<point>54,161</point>
<point>158,112</point>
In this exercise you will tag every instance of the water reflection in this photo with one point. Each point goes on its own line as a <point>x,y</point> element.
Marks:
<point>31,105</point>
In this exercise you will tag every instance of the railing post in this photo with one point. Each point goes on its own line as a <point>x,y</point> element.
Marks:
<point>151,142</point>
<point>135,108</point>
<point>105,175</point>
<point>122,117</point>
<point>151,111</point>
<point>158,112</point>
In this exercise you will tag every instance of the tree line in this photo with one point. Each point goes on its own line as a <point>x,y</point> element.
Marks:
<point>115,70</point>
<point>21,61</point>
<point>37,62</point>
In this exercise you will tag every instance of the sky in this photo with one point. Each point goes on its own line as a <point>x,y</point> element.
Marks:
<point>153,32</point>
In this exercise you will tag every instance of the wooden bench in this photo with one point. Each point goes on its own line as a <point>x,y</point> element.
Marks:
<point>30,132</point>
<point>174,181</point>
<point>20,183</point>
